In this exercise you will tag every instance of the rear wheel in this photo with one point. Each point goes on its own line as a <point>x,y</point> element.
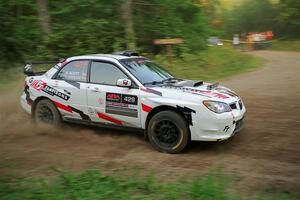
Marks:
<point>46,112</point>
<point>168,132</point>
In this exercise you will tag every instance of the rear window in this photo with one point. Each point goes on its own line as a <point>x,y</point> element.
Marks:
<point>74,71</point>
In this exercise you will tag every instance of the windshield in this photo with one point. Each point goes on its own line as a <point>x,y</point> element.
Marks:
<point>145,71</point>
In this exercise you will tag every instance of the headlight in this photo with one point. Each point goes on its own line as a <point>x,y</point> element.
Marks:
<point>217,107</point>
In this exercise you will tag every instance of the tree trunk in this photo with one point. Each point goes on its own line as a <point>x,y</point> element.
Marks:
<point>129,29</point>
<point>44,16</point>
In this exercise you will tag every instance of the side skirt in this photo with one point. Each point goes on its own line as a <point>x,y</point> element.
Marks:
<point>103,125</point>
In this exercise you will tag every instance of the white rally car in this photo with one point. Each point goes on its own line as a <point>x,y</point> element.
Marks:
<point>129,91</point>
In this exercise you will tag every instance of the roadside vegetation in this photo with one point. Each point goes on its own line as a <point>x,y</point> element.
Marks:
<point>10,78</point>
<point>91,184</point>
<point>291,45</point>
<point>48,30</point>
<point>213,63</point>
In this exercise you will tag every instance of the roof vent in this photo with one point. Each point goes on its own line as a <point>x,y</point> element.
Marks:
<point>126,53</point>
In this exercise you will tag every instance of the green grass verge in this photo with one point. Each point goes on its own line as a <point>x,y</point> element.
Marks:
<point>280,45</point>
<point>91,185</point>
<point>212,64</point>
<point>10,78</point>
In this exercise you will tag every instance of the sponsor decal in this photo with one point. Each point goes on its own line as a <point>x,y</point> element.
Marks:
<point>122,98</point>
<point>113,97</point>
<point>63,107</point>
<point>110,119</point>
<point>82,63</point>
<point>38,85</point>
<point>81,113</point>
<point>206,93</point>
<point>226,91</point>
<point>121,104</point>
<point>53,92</point>
<point>71,109</point>
<point>226,129</point>
<point>100,101</point>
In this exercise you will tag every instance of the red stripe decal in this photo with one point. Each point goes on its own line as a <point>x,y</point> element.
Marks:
<point>146,108</point>
<point>108,118</point>
<point>63,107</point>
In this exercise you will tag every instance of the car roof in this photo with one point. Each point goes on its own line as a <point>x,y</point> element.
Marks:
<point>102,56</point>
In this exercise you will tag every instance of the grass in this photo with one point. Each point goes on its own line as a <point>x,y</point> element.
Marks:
<point>92,185</point>
<point>10,77</point>
<point>211,64</point>
<point>281,45</point>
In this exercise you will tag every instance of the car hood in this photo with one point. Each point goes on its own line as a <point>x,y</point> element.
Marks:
<point>190,90</point>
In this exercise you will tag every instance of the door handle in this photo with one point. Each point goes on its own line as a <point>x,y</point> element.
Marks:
<point>95,90</point>
<point>54,85</point>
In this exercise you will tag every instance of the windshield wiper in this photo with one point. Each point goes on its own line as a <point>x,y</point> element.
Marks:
<point>163,81</point>
<point>154,83</point>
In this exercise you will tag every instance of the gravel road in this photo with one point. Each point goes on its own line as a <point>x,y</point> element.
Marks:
<point>265,155</point>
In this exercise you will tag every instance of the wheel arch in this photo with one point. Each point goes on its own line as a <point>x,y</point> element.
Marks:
<point>158,109</point>
<point>35,102</point>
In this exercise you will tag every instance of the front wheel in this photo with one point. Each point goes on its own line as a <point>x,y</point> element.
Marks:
<point>46,112</point>
<point>168,132</point>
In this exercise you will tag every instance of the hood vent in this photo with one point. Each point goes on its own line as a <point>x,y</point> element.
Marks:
<point>189,83</point>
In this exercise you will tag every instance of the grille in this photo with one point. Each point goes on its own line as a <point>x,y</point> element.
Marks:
<point>233,106</point>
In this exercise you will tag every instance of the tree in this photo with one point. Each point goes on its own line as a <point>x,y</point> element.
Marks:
<point>126,8</point>
<point>250,16</point>
<point>42,6</point>
<point>289,18</point>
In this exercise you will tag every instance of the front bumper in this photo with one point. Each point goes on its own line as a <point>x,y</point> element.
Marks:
<point>216,127</point>
<point>239,125</point>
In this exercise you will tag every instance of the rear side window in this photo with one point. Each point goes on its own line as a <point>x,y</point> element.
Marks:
<point>74,71</point>
<point>105,73</point>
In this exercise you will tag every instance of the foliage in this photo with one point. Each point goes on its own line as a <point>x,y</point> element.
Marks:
<point>211,64</point>
<point>262,15</point>
<point>289,18</point>
<point>250,16</point>
<point>20,33</point>
<point>95,26</point>
<point>286,45</point>
<point>170,18</point>
<point>91,184</point>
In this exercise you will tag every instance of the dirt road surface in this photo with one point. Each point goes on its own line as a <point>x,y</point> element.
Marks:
<point>265,155</point>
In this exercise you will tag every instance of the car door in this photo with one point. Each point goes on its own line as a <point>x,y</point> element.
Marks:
<point>109,103</point>
<point>69,88</point>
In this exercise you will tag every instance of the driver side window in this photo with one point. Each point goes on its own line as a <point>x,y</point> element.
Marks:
<point>105,73</point>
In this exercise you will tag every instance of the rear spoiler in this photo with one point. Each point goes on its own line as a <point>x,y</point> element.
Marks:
<point>28,67</point>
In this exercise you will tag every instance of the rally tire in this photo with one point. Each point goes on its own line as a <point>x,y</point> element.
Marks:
<point>46,112</point>
<point>168,132</point>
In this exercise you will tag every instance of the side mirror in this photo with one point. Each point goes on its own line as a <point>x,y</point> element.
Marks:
<point>124,83</point>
